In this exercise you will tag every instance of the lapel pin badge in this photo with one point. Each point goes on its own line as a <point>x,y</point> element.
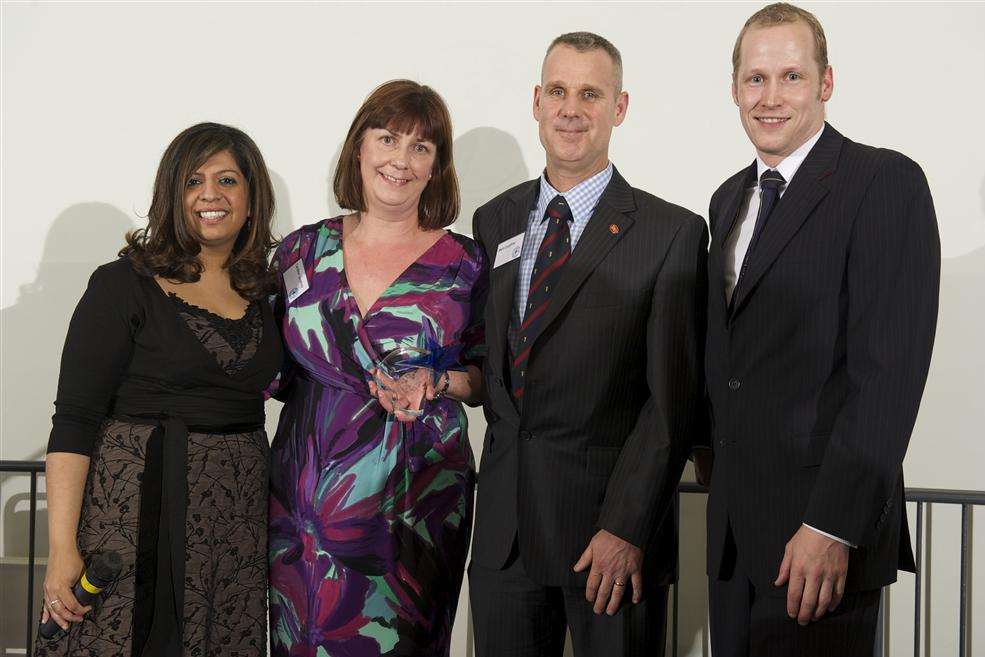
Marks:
<point>614,229</point>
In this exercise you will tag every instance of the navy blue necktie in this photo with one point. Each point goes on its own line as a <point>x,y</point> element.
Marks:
<point>770,184</point>
<point>554,252</point>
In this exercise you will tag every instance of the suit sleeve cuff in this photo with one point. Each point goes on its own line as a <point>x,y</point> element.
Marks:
<point>831,536</point>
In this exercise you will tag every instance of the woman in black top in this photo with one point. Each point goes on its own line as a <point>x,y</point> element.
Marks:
<point>157,449</point>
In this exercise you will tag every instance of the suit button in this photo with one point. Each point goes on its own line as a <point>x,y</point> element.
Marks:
<point>722,443</point>
<point>734,384</point>
<point>499,381</point>
<point>526,435</point>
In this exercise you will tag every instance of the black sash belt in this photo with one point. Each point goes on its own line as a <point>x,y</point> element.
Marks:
<point>159,596</point>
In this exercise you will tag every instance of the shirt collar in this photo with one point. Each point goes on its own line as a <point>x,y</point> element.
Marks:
<point>582,198</point>
<point>788,167</point>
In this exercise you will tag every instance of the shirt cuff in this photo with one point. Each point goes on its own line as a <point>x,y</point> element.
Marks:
<point>840,540</point>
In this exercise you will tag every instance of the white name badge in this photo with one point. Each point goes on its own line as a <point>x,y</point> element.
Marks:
<point>295,281</point>
<point>508,251</point>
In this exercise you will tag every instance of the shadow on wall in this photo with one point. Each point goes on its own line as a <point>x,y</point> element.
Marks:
<point>283,222</point>
<point>952,400</point>
<point>488,162</point>
<point>334,209</point>
<point>81,238</point>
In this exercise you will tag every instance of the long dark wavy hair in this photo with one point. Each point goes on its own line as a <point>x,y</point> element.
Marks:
<point>168,247</point>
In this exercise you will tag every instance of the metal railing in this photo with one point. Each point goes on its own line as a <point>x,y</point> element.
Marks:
<point>33,469</point>
<point>922,497</point>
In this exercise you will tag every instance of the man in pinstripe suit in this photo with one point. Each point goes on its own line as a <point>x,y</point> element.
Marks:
<point>823,282</point>
<point>594,327</point>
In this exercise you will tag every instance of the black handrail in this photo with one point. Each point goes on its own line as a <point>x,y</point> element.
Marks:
<point>921,496</point>
<point>21,466</point>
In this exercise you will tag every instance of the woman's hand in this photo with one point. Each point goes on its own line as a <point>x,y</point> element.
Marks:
<point>434,384</point>
<point>64,570</point>
<point>65,477</point>
<point>391,399</point>
<point>464,386</point>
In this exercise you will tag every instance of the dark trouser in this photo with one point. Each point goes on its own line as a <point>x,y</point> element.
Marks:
<point>516,617</point>
<point>745,623</point>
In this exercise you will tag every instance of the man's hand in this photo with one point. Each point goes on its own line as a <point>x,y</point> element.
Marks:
<point>814,568</point>
<point>704,461</point>
<point>613,561</point>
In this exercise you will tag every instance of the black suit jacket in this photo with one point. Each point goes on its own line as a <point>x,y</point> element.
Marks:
<point>612,388</point>
<point>816,374</point>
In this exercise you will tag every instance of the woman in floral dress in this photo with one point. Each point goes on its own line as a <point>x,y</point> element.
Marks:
<point>370,507</point>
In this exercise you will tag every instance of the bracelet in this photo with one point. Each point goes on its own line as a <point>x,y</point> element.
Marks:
<point>443,389</point>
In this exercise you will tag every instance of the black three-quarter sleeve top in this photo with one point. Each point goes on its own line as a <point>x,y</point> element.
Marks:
<point>130,353</point>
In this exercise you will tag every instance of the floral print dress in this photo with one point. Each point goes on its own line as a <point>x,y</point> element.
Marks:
<point>369,517</point>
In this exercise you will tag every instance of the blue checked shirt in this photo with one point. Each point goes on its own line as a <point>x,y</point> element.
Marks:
<point>582,199</point>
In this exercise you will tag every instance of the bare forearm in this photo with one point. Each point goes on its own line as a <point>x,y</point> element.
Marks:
<point>65,477</point>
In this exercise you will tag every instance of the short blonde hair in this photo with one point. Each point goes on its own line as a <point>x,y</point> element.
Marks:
<point>781,13</point>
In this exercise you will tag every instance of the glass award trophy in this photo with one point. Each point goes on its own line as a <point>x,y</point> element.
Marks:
<point>404,374</point>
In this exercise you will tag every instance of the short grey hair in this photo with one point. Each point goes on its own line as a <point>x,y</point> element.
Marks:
<point>587,41</point>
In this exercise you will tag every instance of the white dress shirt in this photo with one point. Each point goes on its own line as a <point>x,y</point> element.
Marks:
<point>738,240</point>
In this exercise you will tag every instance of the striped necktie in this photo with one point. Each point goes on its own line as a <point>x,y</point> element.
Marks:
<point>554,252</point>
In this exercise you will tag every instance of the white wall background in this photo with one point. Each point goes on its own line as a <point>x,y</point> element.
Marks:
<point>92,93</point>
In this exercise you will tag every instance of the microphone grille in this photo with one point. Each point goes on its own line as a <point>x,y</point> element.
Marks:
<point>104,568</point>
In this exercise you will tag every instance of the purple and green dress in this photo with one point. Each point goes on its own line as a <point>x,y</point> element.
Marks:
<point>369,517</point>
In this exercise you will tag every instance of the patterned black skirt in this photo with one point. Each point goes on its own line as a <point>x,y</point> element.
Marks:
<point>225,580</point>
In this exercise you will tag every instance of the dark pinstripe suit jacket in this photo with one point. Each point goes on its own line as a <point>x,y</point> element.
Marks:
<point>815,376</point>
<point>611,391</point>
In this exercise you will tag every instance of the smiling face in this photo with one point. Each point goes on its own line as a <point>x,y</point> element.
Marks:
<point>779,89</point>
<point>577,105</point>
<point>395,168</point>
<point>217,201</point>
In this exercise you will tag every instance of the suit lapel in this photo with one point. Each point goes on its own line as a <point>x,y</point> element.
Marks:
<point>608,224</point>
<point>733,198</point>
<point>799,200</point>
<point>503,278</point>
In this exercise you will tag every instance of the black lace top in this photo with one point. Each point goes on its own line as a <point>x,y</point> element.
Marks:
<point>133,350</point>
<point>232,342</point>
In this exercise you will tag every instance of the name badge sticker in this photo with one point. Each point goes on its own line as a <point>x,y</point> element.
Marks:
<point>295,281</point>
<point>508,250</point>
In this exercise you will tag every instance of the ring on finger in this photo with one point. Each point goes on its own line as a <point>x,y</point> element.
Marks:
<point>619,582</point>
<point>52,603</point>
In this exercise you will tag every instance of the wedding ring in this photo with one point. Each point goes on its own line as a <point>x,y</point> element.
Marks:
<point>51,603</point>
<point>620,583</point>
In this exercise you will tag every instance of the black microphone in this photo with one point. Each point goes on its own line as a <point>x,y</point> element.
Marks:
<point>103,570</point>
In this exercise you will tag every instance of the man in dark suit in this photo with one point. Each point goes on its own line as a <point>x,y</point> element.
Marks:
<point>823,281</point>
<point>594,328</point>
